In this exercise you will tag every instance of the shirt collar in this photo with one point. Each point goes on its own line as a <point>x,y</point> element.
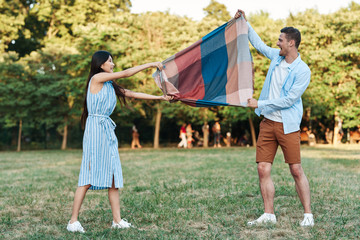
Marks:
<point>293,64</point>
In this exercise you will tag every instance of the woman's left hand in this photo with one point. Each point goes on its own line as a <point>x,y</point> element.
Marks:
<point>167,98</point>
<point>158,65</point>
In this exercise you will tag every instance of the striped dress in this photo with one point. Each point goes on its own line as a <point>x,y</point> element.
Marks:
<point>100,161</point>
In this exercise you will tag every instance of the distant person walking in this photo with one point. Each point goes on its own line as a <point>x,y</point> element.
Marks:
<point>189,135</point>
<point>280,104</point>
<point>135,138</point>
<point>182,136</point>
<point>217,133</point>
<point>100,166</point>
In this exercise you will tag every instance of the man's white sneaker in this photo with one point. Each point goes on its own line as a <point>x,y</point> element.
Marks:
<point>308,220</point>
<point>122,224</point>
<point>265,218</point>
<point>75,227</point>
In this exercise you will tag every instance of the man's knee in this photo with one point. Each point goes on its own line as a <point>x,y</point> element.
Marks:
<point>296,170</point>
<point>264,169</point>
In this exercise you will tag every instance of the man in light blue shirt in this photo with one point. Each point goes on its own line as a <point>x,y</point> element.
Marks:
<point>280,104</point>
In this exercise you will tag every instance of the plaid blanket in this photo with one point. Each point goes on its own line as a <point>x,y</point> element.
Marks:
<point>217,70</point>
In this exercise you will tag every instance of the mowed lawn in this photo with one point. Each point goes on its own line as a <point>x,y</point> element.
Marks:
<point>181,194</point>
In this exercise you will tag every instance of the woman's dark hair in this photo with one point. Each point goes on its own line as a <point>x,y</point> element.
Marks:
<point>97,60</point>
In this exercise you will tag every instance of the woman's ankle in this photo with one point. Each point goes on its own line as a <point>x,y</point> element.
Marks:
<point>117,220</point>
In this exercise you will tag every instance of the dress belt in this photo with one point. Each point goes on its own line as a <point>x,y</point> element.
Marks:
<point>108,124</point>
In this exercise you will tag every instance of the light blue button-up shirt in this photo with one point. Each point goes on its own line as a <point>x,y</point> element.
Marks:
<point>295,84</point>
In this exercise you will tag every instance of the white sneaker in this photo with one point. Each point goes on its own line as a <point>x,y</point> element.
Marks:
<point>75,227</point>
<point>308,220</point>
<point>265,218</point>
<point>122,224</point>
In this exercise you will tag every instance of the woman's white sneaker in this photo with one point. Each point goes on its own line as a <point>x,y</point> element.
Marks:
<point>122,224</point>
<point>75,227</point>
<point>308,220</point>
<point>265,218</point>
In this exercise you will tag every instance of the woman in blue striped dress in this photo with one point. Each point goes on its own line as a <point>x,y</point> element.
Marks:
<point>100,166</point>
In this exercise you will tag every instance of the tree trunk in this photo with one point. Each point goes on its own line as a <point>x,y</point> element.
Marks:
<point>65,133</point>
<point>252,130</point>
<point>206,129</point>
<point>19,136</point>
<point>157,127</point>
<point>45,138</point>
<point>336,129</point>
<point>206,135</point>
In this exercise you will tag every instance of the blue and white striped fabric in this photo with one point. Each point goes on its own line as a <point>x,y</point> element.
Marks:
<point>100,160</point>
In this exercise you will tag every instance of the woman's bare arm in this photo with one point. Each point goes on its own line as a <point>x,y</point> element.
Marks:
<point>145,96</point>
<point>104,76</point>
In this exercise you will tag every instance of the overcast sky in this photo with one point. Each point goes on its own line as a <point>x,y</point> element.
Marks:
<point>276,8</point>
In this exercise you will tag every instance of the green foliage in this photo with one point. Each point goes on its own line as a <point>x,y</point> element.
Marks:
<point>16,90</point>
<point>217,10</point>
<point>49,71</point>
<point>12,19</point>
<point>331,48</point>
<point>54,40</point>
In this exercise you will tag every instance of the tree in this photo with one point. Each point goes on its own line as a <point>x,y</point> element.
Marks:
<point>54,41</point>
<point>16,94</point>
<point>331,48</point>
<point>217,10</point>
<point>55,89</point>
<point>12,20</point>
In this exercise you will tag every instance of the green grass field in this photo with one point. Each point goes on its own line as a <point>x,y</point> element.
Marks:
<point>181,194</point>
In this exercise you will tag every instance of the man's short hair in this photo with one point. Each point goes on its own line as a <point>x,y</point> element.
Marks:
<point>292,34</point>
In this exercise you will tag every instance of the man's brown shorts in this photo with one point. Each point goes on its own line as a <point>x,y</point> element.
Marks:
<point>271,136</point>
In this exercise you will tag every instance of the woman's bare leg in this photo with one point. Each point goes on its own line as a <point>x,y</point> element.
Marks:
<point>114,203</point>
<point>78,199</point>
